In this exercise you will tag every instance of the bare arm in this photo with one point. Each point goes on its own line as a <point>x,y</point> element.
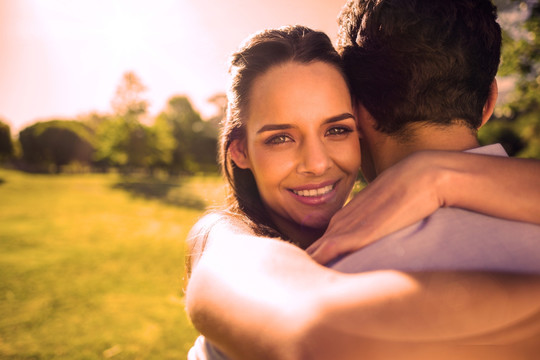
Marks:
<point>263,298</point>
<point>499,186</point>
<point>418,185</point>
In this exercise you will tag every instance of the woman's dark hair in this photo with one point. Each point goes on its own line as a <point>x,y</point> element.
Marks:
<point>259,53</point>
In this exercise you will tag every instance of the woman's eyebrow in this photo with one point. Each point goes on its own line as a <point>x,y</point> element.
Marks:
<point>274,127</point>
<point>340,117</point>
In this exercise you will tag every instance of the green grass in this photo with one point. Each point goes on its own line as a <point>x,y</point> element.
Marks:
<point>92,266</point>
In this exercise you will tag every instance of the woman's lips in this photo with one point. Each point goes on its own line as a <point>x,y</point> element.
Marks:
<point>315,194</point>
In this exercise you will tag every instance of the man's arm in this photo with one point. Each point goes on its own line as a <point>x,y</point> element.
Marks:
<point>263,298</point>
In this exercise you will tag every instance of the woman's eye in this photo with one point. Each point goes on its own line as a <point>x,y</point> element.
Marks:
<point>339,130</point>
<point>278,139</point>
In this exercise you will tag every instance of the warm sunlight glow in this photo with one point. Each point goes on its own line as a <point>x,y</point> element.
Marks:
<point>65,58</point>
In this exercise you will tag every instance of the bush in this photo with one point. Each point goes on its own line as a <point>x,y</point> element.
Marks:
<point>47,146</point>
<point>6,144</point>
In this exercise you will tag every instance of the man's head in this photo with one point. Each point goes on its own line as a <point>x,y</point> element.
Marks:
<point>420,61</point>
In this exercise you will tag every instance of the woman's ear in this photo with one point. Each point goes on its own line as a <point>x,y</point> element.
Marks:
<point>489,106</point>
<point>239,155</point>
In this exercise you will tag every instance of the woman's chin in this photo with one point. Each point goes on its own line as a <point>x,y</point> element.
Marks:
<point>316,223</point>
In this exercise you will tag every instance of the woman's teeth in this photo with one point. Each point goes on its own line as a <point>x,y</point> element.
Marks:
<point>314,192</point>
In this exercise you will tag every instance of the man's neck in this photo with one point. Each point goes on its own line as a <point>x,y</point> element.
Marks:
<point>389,150</point>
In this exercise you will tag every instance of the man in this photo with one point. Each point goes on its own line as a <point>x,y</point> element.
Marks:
<point>423,75</point>
<point>269,300</point>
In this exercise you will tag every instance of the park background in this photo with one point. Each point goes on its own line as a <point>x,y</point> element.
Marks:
<point>109,114</point>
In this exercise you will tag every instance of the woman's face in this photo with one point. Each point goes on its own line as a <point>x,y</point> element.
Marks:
<point>301,143</point>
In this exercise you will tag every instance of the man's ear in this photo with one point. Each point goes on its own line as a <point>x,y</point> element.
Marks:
<point>239,155</point>
<point>489,106</point>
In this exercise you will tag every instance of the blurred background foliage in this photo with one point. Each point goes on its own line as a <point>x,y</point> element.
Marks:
<point>516,122</point>
<point>177,141</point>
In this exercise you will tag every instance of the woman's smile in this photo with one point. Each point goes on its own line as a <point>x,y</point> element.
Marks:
<point>314,194</point>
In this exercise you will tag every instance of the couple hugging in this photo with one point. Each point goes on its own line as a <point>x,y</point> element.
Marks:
<point>437,258</point>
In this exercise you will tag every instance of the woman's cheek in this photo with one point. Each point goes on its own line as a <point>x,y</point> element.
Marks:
<point>347,154</point>
<point>273,166</point>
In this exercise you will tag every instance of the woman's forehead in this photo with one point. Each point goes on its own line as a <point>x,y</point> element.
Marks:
<point>295,91</point>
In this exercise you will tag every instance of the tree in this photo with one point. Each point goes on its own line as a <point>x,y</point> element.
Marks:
<point>194,139</point>
<point>128,99</point>
<point>163,144</point>
<point>52,144</point>
<point>124,144</point>
<point>219,100</point>
<point>6,143</point>
<point>93,120</point>
<point>122,140</point>
<point>517,120</point>
<point>111,148</point>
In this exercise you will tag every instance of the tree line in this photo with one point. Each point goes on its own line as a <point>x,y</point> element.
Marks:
<point>178,140</point>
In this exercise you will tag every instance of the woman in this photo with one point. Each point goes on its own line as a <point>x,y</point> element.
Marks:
<point>290,153</point>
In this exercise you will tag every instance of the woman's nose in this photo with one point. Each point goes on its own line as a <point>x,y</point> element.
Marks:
<point>314,158</point>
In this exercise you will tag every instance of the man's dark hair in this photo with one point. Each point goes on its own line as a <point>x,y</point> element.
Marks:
<point>420,60</point>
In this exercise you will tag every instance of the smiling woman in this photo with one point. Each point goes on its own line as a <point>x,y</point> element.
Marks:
<point>289,147</point>
<point>301,145</point>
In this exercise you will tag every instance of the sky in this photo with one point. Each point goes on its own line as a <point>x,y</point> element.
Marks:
<point>64,58</point>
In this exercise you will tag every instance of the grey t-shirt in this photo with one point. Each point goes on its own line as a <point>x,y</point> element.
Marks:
<point>453,239</point>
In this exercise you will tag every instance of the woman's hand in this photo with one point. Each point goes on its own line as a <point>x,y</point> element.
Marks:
<point>414,188</point>
<point>400,196</point>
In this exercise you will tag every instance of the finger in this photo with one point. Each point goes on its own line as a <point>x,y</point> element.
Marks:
<point>313,247</point>
<point>326,251</point>
<point>330,248</point>
<point>317,243</point>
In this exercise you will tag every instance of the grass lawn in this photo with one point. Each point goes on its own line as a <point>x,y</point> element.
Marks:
<point>91,266</point>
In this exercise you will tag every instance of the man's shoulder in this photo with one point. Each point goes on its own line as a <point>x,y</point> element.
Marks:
<point>448,224</point>
<point>455,222</point>
<point>452,239</point>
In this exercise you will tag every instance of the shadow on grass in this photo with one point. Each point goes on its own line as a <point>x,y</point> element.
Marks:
<point>2,181</point>
<point>172,193</point>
